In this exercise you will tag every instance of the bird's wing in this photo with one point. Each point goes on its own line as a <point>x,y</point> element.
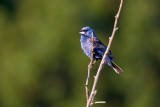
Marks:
<point>100,48</point>
<point>97,43</point>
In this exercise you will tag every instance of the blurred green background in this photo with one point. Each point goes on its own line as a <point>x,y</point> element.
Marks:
<point>42,64</point>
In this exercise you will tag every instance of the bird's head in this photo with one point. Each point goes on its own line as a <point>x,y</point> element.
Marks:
<point>86,31</point>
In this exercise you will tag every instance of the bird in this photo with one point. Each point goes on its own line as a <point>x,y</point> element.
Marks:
<point>88,41</point>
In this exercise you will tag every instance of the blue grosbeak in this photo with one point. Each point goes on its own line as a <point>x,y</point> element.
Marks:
<point>99,48</point>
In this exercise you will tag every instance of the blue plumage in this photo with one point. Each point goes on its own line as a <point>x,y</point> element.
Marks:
<point>99,48</point>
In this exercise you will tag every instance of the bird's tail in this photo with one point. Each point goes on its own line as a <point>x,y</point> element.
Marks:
<point>117,69</point>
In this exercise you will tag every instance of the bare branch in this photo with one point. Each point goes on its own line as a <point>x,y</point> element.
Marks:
<point>115,28</point>
<point>99,102</point>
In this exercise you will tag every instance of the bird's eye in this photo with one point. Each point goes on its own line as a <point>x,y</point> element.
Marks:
<point>84,30</point>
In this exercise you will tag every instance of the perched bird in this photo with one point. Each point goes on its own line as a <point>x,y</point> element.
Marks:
<point>99,48</point>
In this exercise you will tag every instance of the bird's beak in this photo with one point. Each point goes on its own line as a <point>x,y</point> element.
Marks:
<point>81,32</point>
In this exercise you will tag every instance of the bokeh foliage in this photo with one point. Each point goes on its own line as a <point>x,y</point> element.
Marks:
<point>42,64</point>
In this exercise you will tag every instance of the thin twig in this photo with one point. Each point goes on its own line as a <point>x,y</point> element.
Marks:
<point>89,69</point>
<point>99,102</point>
<point>115,28</point>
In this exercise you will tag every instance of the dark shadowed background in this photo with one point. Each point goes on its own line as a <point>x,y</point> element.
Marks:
<point>42,64</point>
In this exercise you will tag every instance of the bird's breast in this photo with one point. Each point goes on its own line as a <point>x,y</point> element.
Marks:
<point>86,46</point>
